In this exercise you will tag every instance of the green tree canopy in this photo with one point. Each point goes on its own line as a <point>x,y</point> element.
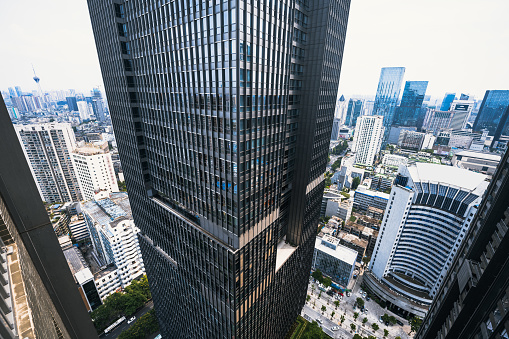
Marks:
<point>355,183</point>
<point>415,324</point>
<point>375,326</point>
<point>359,301</point>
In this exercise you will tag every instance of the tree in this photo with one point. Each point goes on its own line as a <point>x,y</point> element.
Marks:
<point>398,337</point>
<point>375,326</point>
<point>317,275</point>
<point>313,331</point>
<point>326,281</point>
<point>415,324</point>
<point>365,261</point>
<point>392,320</point>
<point>364,321</point>
<point>359,301</point>
<point>342,319</point>
<point>332,314</point>
<point>335,165</point>
<point>386,333</point>
<point>357,336</point>
<point>145,325</point>
<point>336,303</point>
<point>324,309</point>
<point>353,327</point>
<point>308,297</point>
<point>355,316</point>
<point>355,183</point>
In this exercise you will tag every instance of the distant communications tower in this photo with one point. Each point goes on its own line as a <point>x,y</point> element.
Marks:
<point>37,80</point>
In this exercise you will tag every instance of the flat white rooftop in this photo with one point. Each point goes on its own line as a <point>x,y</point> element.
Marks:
<point>341,252</point>
<point>449,175</point>
<point>480,155</point>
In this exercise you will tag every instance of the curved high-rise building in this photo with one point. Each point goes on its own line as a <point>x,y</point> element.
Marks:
<point>429,212</point>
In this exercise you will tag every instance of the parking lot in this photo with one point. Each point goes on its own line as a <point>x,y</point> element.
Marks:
<point>331,315</point>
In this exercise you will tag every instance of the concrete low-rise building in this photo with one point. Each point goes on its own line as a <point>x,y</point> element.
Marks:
<point>364,197</point>
<point>83,277</point>
<point>482,162</point>
<point>78,229</point>
<point>334,260</point>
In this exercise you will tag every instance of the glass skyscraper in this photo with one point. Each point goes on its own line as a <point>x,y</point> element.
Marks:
<point>353,111</point>
<point>446,103</point>
<point>493,113</point>
<point>222,112</point>
<point>387,95</point>
<point>409,111</point>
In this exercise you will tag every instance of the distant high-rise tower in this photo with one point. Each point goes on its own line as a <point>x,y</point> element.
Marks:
<point>223,136</point>
<point>38,82</point>
<point>473,298</point>
<point>387,95</point>
<point>446,103</point>
<point>47,148</point>
<point>353,111</point>
<point>409,111</point>
<point>340,112</point>
<point>42,301</point>
<point>462,110</point>
<point>19,92</point>
<point>493,114</point>
<point>12,92</point>
<point>72,104</point>
<point>367,139</point>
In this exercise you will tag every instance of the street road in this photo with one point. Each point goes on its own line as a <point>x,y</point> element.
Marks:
<point>124,326</point>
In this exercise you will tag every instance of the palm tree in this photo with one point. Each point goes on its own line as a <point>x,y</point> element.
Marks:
<point>355,316</point>
<point>324,309</point>
<point>353,327</point>
<point>342,318</point>
<point>336,303</point>
<point>332,314</point>
<point>364,321</point>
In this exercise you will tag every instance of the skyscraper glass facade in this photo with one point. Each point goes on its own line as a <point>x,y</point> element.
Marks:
<point>353,111</point>
<point>211,101</point>
<point>493,114</point>
<point>446,103</point>
<point>387,95</point>
<point>409,111</point>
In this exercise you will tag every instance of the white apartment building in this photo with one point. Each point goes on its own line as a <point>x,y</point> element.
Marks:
<point>114,235</point>
<point>94,169</point>
<point>85,110</point>
<point>368,137</point>
<point>428,214</point>
<point>47,148</point>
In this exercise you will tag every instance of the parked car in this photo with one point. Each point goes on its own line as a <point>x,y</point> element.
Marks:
<point>368,298</point>
<point>133,318</point>
<point>399,322</point>
<point>319,321</point>
<point>381,320</point>
<point>348,294</point>
<point>386,323</point>
<point>334,328</point>
<point>366,310</point>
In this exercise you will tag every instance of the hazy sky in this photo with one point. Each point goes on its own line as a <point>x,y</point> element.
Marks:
<point>457,45</point>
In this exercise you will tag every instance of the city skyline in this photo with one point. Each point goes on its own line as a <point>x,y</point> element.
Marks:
<point>62,49</point>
